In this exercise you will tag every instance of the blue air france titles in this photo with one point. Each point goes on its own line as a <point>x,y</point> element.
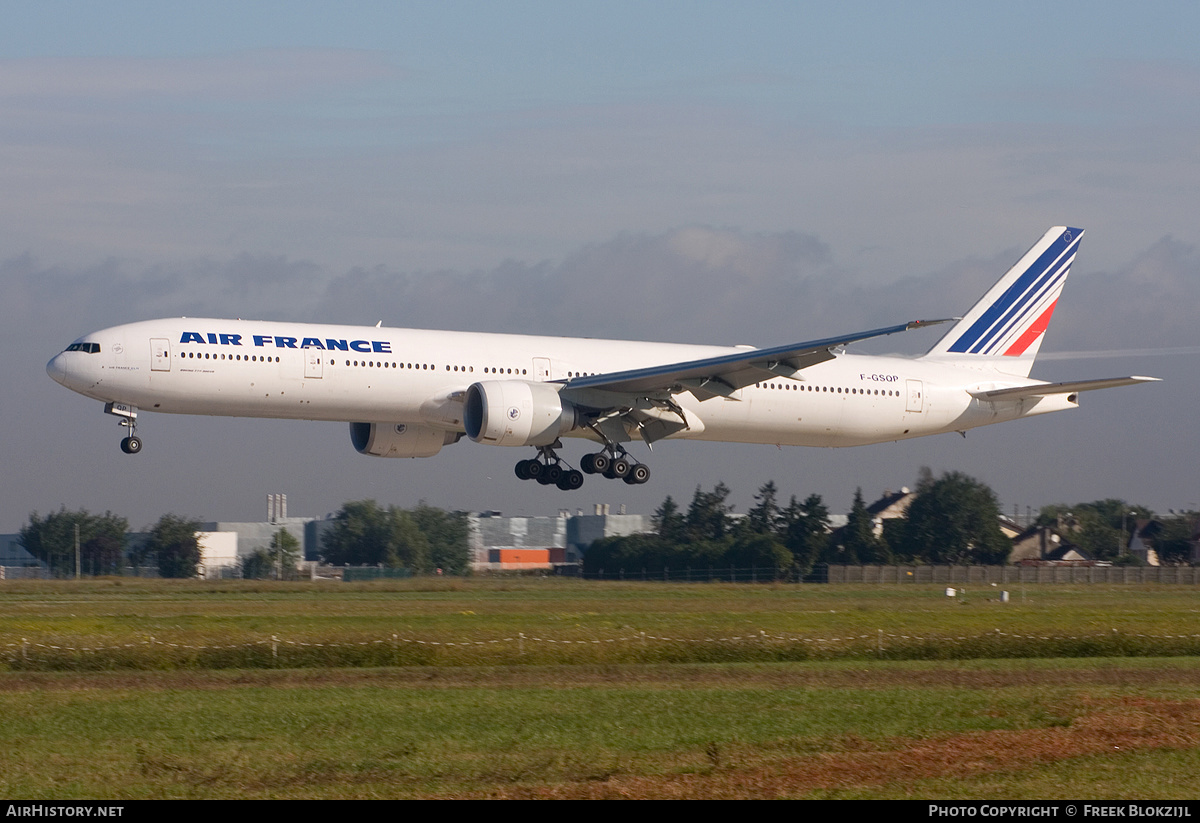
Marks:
<point>280,341</point>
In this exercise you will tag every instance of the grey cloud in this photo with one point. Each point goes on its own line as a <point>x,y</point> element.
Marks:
<point>240,75</point>
<point>74,301</point>
<point>691,284</point>
<point>725,286</point>
<point>1150,301</point>
<point>694,283</point>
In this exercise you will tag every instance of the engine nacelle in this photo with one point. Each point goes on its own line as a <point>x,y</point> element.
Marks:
<point>399,439</point>
<point>516,413</point>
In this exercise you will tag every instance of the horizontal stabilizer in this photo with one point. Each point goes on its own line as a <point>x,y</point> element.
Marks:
<point>1043,389</point>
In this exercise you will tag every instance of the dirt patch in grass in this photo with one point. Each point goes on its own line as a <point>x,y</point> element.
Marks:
<point>1127,724</point>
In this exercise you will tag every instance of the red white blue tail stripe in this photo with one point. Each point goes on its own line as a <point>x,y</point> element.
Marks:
<point>1011,318</point>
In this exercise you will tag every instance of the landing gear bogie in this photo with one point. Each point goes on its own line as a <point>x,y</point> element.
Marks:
<point>548,469</point>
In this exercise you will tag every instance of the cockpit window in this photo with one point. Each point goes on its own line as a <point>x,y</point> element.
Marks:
<point>90,348</point>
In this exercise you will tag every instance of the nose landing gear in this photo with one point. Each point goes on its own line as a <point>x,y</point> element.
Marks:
<point>132,444</point>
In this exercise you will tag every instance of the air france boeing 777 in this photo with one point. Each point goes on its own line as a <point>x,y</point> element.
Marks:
<point>409,392</point>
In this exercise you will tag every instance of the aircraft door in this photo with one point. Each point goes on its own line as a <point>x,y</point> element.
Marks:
<point>160,348</point>
<point>314,360</point>
<point>916,394</point>
<point>541,369</point>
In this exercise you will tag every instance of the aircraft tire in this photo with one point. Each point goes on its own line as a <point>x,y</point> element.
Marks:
<point>131,445</point>
<point>618,469</point>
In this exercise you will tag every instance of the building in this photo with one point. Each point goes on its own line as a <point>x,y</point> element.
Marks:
<point>499,543</point>
<point>1046,544</point>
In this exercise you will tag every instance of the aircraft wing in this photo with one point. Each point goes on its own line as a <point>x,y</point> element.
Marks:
<point>722,376</point>
<point>1043,389</point>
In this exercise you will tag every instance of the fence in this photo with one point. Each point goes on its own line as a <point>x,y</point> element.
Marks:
<point>44,573</point>
<point>1013,574</point>
<point>1185,575</point>
<point>351,574</point>
<point>713,574</point>
<point>1188,575</point>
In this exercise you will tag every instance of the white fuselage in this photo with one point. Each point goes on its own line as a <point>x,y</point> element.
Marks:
<point>390,376</point>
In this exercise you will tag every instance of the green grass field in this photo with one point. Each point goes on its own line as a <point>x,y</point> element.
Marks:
<point>651,697</point>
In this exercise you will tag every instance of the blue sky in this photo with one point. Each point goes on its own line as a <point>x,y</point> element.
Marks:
<point>313,161</point>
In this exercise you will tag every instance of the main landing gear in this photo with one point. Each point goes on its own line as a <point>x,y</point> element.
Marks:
<point>616,466</point>
<point>550,470</point>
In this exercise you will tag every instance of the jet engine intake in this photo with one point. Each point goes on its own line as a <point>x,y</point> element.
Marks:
<point>516,413</point>
<point>399,439</point>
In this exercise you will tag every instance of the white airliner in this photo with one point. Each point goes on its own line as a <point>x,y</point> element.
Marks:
<point>409,392</point>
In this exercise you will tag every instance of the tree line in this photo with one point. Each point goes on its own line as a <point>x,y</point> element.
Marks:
<point>98,544</point>
<point>952,519</point>
<point>424,539</point>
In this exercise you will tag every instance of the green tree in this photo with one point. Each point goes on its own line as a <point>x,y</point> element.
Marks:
<point>955,519</point>
<point>52,540</point>
<point>806,530</point>
<point>668,523</point>
<point>857,541</point>
<point>1173,539</point>
<point>285,555</point>
<point>764,516</point>
<point>366,534</point>
<point>258,565</point>
<point>629,554</point>
<point>707,515</point>
<point>447,534</point>
<point>174,543</point>
<point>361,535</point>
<point>760,551</point>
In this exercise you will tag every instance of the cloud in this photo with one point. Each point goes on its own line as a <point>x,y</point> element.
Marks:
<point>694,283</point>
<point>68,302</point>
<point>241,75</point>
<point>1150,301</point>
<point>690,284</point>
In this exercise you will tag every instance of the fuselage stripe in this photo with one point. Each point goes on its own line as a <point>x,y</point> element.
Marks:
<point>1031,334</point>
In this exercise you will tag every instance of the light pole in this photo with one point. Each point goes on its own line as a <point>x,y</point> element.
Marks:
<point>1123,546</point>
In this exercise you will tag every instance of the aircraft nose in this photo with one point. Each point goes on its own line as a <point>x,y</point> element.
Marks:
<point>56,369</point>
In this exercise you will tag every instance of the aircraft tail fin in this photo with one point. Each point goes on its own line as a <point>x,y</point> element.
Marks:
<point>1010,320</point>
